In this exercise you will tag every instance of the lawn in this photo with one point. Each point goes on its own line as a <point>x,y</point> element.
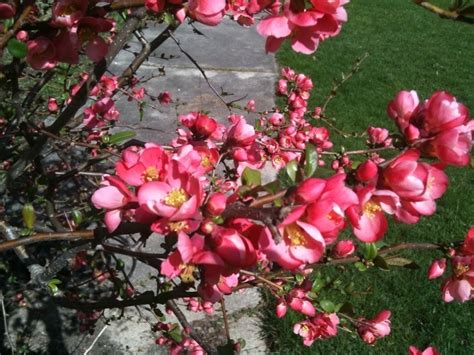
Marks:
<point>409,49</point>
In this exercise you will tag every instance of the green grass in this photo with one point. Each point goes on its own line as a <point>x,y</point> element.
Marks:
<point>409,49</point>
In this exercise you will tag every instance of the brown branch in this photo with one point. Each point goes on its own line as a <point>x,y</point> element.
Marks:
<point>210,349</point>
<point>452,15</point>
<point>264,200</point>
<point>226,320</point>
<point>21,20</point>
<point>126,4</point>
<point>146,298</point>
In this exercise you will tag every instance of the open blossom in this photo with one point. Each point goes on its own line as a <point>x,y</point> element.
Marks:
<point>138,166</point>
<point>100,112</point>
<point>368,217</point>
<point>372,329</point>
<point>208,12</point>
<point>301,243</point>
<point>443,112</point>
<point>235,249</point>
<point>417,184</point>
<point>41,53</point>
<point>431,350</point>
<point>402,107</point>
<point>305,27</point>
<point>322,326</point>
<point>177,197</point>
<point>460,286</point>
<point>66,13</point>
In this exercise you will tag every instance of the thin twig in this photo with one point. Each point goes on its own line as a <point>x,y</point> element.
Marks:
<point>5,323</point>
<point>452,15</point>
<point>196,64</point>
<point>210,349</point>
<point>338,83</point>
<point>226,320</point>
<point>95,340</point>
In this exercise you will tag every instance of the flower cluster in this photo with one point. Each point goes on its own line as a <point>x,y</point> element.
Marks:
<point>460,285</point>
<point>199,193</point>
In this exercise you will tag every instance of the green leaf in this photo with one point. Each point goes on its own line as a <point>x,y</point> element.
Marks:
<point>402,262</point>
<point>17,49</point>
<point>327,306</point>
<point>291,168</point>
<point>29,216</point>
<point>310,160</point>
<point>318,284</point>
<point>381,263</point>
<point>76,217</point>
<point>251,177</point>
<point>360,266</point>
<point>120,137</point>
<point>369,250</point>
<point>347,308</point>
<point>53,286</point>
<point>299,278</point>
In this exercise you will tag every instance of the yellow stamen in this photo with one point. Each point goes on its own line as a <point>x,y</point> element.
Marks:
<point>295,235</point>
<point>151,174</point>
<point>206,162</point>
<point>175,198</point>
<point>187,273</point>
<point>370,208</point>
<point>177,226</point>
<point>430,183</point>
<point>460,269</point>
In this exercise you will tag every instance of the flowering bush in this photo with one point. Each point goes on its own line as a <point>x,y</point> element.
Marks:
<point>223,227</point>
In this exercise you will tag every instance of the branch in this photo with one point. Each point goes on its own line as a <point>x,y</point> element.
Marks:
<point>192,333</point>
<point>5,323</point>
<point>146,298</point>
<point>451,15</point>
<point>21,20</point>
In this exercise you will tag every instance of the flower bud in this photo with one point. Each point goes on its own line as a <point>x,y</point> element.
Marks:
<point>436,269</point>
<point>366,171</point>
<point>343,249</point>
<point>52,104</point>
<point>412,133</point>
<point>281,309</point>
<point>216,203</point>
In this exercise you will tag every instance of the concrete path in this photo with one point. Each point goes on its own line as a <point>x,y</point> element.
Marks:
<point>237,66</point>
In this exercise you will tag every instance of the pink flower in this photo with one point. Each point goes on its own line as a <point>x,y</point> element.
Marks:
<point>155,5</point>
<point>431,350</point>
<point>467,247</point>
<point>52,104</point>
<point>460,286</point>
<point>402,107</point>
<point>205,125</point>
<point>208,12</point>
<point>281,309</point>
<point>240,134</point>
<point>177,197</point>
<point>7,11</point>
<point>139,166</point>
<point>41,54</point>
<point>366,171</point>
<point>233,248</point>
<point>322,326</point>
<point>299,302</point>
<point>165,98</point>
<point>22,35</point>
<point>100,112</point>
<point>216,203</point>
<point>436,269</point>
<point>301,243</point>
<point>378,327</point>
<point>368,218</point>
<point>66,13</point>
<point>88,31</point>
<point>343,249</point>
<point>452,146</point>
<point>113,196</point>
<point>190,253</point>
<point>443,112</point>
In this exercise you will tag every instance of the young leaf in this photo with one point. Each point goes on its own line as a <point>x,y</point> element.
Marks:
<point>310,160</point>
<point>327,306</point>
<point>29,216</point>
<point>369,250</point>
<point>381,263</point>
<point>251,177</point>
<point>120,137</point>
<point>17,48</point>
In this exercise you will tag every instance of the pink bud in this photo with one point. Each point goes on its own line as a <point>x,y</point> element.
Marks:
<point>207,227</point>
<point>52,105</point>
<point>366,171</point>
<point>216,203</point>
<point>250,105</point>
<point>164,98</point>
<point>22,36</point>
<point>343,249</point>
<point>412,133</point>
<point>205,125</point>
<point>436,269</point>
<point>335,165</point>
<point>6,11</point>
<point>281,309</point>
